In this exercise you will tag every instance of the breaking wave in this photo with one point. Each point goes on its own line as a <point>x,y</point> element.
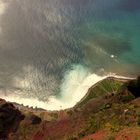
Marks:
<point>74,87</point>
<point>51,52</point>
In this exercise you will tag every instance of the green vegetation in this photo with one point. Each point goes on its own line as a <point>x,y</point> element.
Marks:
<point>113,109</point>
<point>54,115</point>
<point>105,87</point>
<point>35,119</point>
<point>106,106</point>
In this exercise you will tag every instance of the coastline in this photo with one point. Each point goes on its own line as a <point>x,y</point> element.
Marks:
<point>115,77</point>
<point>43,105</point>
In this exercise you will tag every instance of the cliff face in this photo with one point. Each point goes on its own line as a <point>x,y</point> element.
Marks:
<point>110,110</point>
<point>10,118</point>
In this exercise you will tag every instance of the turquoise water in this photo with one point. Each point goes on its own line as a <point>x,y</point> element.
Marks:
<point>118,36</point>
<point>42,41</point>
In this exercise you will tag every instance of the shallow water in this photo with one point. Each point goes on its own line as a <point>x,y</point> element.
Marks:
<point>47,46</point>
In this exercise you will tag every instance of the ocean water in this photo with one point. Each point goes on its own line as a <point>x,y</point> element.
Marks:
<point>52,51</point>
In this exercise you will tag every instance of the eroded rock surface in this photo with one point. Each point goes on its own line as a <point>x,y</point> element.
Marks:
<point>10,117</point>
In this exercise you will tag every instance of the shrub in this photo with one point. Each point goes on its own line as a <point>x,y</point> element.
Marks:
<point>127,98</point>
<point>35,119</point>
<point>82,134</point>
<point>54,115</point>
<point>106,106</point>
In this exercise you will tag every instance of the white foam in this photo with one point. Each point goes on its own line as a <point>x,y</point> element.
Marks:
<point>74,87</point>
<point>2,7</point>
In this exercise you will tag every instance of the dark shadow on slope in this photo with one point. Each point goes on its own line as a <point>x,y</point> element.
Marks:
<point>134,87</point>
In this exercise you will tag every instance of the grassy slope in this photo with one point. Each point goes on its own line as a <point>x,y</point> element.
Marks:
<point>108,111</point>
<point>105,87</point>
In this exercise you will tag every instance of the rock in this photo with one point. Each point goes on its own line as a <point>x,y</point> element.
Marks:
<point>35,119</point>
<point>10,118</point>
<point>134,87</point>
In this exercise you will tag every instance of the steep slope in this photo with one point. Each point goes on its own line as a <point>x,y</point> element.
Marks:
<point>10,118</point>
<point>109,111</point>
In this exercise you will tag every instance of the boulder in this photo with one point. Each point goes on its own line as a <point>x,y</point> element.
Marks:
<point>10,118</point>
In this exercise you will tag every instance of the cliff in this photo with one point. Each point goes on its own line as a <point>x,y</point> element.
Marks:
<point>109,111</point>
<point>10,118</point>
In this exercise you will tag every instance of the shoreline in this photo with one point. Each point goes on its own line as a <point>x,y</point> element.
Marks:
<point>42,104</point>
<point>116,77</point>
